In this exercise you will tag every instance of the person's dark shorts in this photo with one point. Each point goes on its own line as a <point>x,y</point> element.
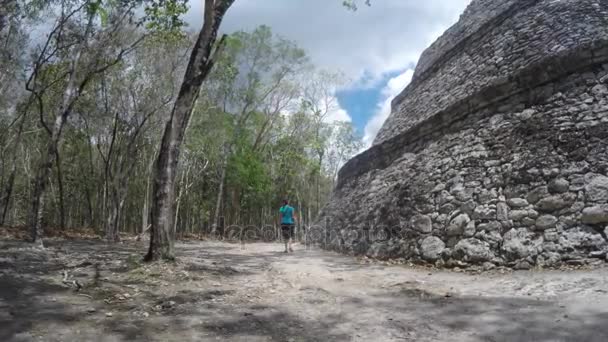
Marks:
<point>288,231</point>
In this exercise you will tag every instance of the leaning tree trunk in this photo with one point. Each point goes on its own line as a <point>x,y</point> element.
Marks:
<point>201,61</point>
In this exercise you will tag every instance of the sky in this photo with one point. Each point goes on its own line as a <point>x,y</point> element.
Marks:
<point>376,47</point>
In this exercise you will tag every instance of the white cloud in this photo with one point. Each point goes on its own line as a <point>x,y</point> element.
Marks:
<point>338,114</point>
<point>386,37</point>
<point>394,86</point>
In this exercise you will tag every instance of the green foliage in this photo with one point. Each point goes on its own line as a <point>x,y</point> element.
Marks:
<point>248,121</point>
<point>165,16</point>
<point>248,172</point>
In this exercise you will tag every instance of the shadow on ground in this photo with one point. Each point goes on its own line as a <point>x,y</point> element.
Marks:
<point>26,302</point>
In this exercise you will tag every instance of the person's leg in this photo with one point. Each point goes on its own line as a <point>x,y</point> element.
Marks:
<point>285,233</point>
<point>291,232</point>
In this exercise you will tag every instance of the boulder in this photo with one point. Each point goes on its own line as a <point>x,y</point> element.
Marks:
<point>596,188</point>
<point>518,215</point>
<point>473,250</point>
<point>581,240</point>
<point>502,211</point>
<point>457,225</point>
<point>422,223</point>
<point>546,222</point>
<point>431,248</point>
<point>559,186</point>
<point>517,244</point>
<point>517,202</point>
<point>595,215</point>
<point>552,203</point>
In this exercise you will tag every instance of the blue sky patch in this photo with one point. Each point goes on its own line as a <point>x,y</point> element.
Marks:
<point>363,102</point>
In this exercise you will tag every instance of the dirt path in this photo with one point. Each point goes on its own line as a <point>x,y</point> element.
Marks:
<point>221,291</point>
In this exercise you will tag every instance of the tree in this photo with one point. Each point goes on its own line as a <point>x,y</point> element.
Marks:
<point>345,143</point>
<point>203,56</point>
<point>74,45</point>
<point>262,69</point>
<point>249,135</point>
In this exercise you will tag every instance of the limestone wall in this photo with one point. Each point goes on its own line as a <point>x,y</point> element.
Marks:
<point>478,14</point>
<point>511,39</point>
<point>503,166</point>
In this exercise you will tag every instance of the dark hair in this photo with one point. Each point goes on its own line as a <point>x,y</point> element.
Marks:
<point>286,201</point>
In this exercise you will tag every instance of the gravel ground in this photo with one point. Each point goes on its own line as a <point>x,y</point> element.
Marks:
<point>89,291</point>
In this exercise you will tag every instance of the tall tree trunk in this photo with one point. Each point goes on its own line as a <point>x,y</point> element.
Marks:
<point>201,61</point>
<point>145,215</point>
<point>113,222</point>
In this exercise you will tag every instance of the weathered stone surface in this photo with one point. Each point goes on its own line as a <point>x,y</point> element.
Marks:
<point>422,223</point>
<point>468,207</point>
<point>469,230</point>
<point>552,203</point>
<point>458,224</point>
<point>595,215</point>
<point>490,226</point>
<point>517,202</point>
<point>546,222</point>
<point>580,241</point>
<point>596,188</point>
<point>559,185</point>
<point>518,215</point>
<point>431,248</point>
<point>536,194</point>
<point>502,211</point>
<point>517,244</point>
<point>472,250</point>
<point>504,123</point>
<point>484,212</point>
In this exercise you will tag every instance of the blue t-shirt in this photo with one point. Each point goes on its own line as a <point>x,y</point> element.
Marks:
<point>287,214</point>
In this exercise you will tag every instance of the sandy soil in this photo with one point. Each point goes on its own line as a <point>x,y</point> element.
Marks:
<point>253,292</point>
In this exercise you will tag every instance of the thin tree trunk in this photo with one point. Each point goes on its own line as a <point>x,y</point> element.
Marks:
<point>8,190</point>
<point>112,223</point>
<point>60,192</point>
<point>182,190</point>
<point>220,194</point>
<point>89,219</point>
<point>146,212</point>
